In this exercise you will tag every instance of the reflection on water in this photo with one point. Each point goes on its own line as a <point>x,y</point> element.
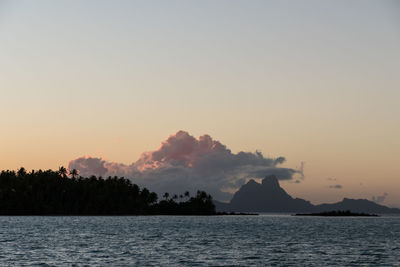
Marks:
<point>197,241</point>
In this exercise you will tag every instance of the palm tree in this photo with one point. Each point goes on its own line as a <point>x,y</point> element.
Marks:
<point>73,172</point>
<point>166,195</point>
<point>145,194</point>
<point>62,171</point>
<point>152,198</point>
<point>21,172</point>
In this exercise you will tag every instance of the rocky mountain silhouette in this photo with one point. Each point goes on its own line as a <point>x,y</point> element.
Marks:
<point>269,196</point>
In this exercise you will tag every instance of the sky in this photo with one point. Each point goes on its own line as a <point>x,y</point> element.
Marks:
<point>311,81</point>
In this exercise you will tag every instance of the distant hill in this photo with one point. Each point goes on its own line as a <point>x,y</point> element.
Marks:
<point>270,197</point>
<point>357,205</point>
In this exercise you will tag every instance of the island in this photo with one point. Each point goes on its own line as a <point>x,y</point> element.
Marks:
<point>48,192</point>
<point>269,197</point>
<point>338,213</point>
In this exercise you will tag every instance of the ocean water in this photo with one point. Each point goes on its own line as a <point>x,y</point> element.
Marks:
<point>265,240</point>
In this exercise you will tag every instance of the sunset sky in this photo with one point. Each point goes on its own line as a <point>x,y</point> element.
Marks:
<point>315,82</point>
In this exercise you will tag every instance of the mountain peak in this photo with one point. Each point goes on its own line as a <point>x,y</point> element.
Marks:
<point>265,197</point>
<point>251,181</point>
<point>270,197</point>
<point>271,181</point>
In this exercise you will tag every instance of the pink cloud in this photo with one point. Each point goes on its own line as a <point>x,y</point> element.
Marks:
<point>180,149</point>
<point>184,162</point>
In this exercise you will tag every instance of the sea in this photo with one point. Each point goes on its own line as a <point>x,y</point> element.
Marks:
<point>263,240</point>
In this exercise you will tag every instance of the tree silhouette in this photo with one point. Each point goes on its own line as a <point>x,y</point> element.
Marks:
<point>53,193</point>
<point>62,171</point>
<point>73,173</point>
<point>166,195</point>
<point>21,172</point>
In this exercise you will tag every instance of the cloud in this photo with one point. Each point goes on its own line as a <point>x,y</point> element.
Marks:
<point>184,162</point>
<point>336,186</point>
<point>379,199</point>
<point>88,166</point>
<point>331,179</point>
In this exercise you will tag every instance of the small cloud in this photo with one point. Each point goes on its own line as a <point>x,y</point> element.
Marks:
<point>379,199</point>
<point>336,186</point>
<point>331,179</point>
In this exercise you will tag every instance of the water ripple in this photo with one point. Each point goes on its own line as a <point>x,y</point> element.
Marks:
<point>199,241</point>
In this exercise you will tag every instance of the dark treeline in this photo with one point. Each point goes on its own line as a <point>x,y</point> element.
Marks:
<point>54,193</point>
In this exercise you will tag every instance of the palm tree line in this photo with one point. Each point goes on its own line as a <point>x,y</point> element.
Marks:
<point>64,192</point>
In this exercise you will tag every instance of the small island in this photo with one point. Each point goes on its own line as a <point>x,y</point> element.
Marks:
<point>338,213</point>
<point>236,213</point>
